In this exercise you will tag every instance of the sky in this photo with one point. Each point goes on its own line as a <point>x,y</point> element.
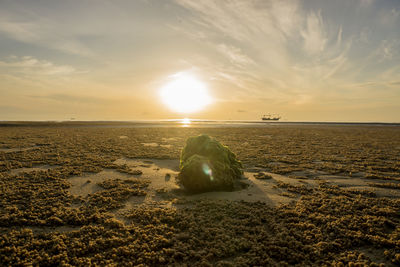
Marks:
<point>107,60</point>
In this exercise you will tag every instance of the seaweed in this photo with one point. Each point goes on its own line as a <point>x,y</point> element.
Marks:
<point>207,165</point>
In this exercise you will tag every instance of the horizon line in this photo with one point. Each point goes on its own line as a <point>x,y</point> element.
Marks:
<point>194,120</point>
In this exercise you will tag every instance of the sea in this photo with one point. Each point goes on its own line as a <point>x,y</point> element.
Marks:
<point>185,123</point>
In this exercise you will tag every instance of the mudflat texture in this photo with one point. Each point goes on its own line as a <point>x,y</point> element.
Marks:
<point>314,195</point>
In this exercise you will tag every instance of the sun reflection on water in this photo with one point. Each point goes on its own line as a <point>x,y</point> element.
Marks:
<point>185,122</point>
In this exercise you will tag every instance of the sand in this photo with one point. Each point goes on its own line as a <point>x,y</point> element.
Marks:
<point>313,195</point>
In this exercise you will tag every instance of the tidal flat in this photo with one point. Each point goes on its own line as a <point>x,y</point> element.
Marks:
<point>315,195</point>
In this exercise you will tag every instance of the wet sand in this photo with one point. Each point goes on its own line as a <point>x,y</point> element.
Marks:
<point>313,195</point>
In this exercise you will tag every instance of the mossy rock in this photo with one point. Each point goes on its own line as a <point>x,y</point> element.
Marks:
<point>207,165</point>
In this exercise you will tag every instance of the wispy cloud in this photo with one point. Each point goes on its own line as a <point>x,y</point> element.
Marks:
<point>285,51</point>
<point>314,34</point>
<point>235,55</point>
<point>245,20</point>
<point>31,65</point>
<point>387,49</point>
<point>43,33</point>
<point>71,98</point>
<point>269,38</point>
<point>261,28</point>
<point>252,54</point>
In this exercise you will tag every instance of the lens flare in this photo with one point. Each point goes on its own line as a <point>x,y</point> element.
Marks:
<point>207,170</point>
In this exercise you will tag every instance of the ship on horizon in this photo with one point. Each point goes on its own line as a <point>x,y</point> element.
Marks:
<point>270,117</point>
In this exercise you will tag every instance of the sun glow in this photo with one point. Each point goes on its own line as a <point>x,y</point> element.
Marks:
<point>185,94</point>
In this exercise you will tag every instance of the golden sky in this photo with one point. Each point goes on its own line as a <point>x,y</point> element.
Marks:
<point>108,60</point>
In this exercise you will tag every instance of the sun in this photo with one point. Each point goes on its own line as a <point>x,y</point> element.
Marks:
<point>185,94</point>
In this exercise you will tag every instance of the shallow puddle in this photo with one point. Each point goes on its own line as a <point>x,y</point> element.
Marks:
<point>170,139</point>
<point>156,170</point>
<point>166,146</point>
<point>150,144</point>
<point>87,184</point>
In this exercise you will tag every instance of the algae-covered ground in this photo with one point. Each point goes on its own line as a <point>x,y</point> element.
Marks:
<point>316,195</point>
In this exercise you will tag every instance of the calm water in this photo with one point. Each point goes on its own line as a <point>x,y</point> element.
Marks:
<point>183,123</point>
<point>245,124</point>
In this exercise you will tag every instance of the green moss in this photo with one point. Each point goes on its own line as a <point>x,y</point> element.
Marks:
<point>207,165</point>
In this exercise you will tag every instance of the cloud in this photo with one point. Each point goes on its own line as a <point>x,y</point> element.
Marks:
<point>386,50</point>
<point>339,36</point>
<point>314,35</point>
<point>217,16</point>
<point>70,98</point>
<point>244,20</point>
<point>289,51</point>
<point>263,50</point>
<point>235,55</point>
<point>22,31</point>
<point>31,65</point>
<point>257,33</point>
<point>43,33</point>
<point>394,83</point>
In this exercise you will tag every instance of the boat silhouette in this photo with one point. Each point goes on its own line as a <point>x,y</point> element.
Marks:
<point>270,117</point>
